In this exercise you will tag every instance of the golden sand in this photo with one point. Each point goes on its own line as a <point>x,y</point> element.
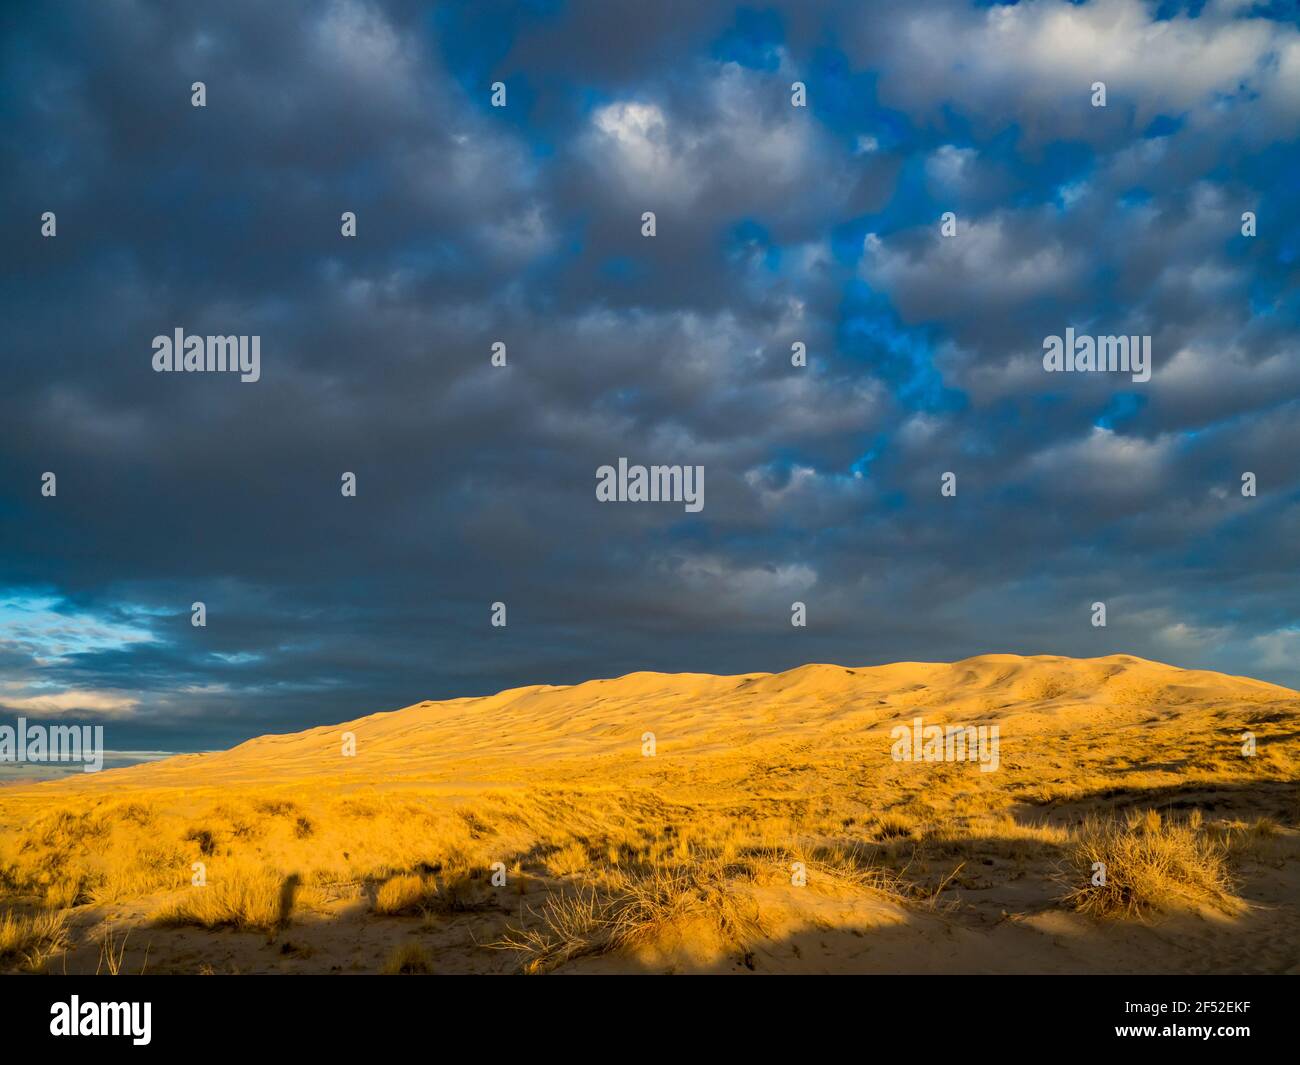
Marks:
<point>770,829</point>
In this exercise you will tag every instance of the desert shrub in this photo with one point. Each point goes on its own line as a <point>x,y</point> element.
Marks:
<point>636,906</point>
<point>567,860</point>
<point>65,893</point>
<point>244,899</point>
<point>30,940</point>
<point>204,838</point>
<point>404,894</point>
<point>408,960</point>
<point>1152,864</point>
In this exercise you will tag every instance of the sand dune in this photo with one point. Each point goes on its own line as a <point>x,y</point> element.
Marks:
<point>691,713</point>
<point>771,829</point>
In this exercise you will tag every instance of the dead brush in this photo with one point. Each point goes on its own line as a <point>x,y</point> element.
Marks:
<point>246,899</point>
<point>65,893</point>
<point>664,896</point>
<point>1262,840</point>
<point>112,953</point>
<point>411,894</point>
<point>568,860</point>
<point>31,940</point>
<point>837,865</point>
<point>404,895</point>
<point>410,959</point>
<point>571,926</point>
<point>638,903</point>
<point>633,907</point>
<point>1150,864</point>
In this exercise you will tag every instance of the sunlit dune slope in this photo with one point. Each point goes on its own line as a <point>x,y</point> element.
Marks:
<point>509,735</point>
<point>689,822</point>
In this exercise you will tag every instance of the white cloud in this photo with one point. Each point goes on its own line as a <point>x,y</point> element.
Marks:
<point>1036,62</point>
<point>88,702</point>
<point>355,41</point>
<point>1108,464</point>
<point>738,585</point>
<point>740,143</point>
<point>992,261</point>
<point>948,167</point>
<point>1279,649</point>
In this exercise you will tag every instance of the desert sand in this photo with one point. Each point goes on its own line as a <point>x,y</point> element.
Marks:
<point>764,827</point>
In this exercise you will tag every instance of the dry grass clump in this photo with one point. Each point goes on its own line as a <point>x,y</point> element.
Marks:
<point>634,905</point>
<point>572,925</point>
<point>112,953</point>
<point>830,867</point>
<point>30,940</point>
<point>454,890</point>
<point>628,909</point>
<point>408,960</point>
<point>1152,864</point>
<point>663,896</point>
<point>407,894</point>
<point>893,826</point>
<point>64,893</point>
<point>246,899</point>
<point>567,860</point>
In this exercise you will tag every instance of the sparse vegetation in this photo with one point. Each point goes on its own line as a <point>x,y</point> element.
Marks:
<point>1152,864</point>
<point>707,895</point>
<point>614,852</point>
<point>245,899</point>
<point>112,953</point>
<point>29,940</point>
<point>404,895</point>
<point>410,959</point>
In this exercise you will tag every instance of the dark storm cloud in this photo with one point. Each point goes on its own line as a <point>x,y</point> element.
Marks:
<point>775,224</point>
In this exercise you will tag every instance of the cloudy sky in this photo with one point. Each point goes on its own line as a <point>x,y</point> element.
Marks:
<point>522,224</point>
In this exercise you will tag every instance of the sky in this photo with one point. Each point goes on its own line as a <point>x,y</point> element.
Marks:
<point>522,224</point>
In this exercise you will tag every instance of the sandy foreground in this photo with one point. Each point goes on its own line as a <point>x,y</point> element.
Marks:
<point>686,822</point>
